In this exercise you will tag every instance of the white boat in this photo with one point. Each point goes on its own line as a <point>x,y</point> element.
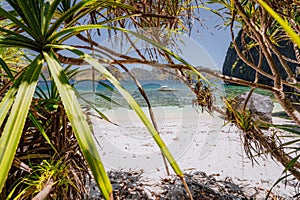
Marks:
<point>165,88</point>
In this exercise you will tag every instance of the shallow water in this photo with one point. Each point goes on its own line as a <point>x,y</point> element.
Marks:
<point>103,94</point>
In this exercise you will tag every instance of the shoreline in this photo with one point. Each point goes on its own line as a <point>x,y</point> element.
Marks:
<point>198,142</point>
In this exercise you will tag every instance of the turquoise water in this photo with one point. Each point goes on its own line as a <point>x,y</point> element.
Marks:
<point>104,95</point>
<point>178,95</point>
<point>232,91</point>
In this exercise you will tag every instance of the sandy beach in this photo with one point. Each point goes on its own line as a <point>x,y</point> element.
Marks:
<point>198,141</point>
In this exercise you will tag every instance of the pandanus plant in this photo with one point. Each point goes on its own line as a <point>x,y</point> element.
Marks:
<point>265,24</point>
<point>42,28</point>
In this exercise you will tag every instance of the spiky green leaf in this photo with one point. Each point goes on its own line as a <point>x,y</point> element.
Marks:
<point>13,128</point>
<point>79,124</point>
<point>285,25</point>
<point>134,105</point>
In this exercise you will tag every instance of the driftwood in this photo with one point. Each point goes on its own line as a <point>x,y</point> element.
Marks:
<point>45,191</point>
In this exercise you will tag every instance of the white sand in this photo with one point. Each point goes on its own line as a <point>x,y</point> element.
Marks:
<point>198,142</point>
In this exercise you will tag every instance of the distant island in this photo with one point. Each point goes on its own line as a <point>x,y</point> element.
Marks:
<point>139,73</point>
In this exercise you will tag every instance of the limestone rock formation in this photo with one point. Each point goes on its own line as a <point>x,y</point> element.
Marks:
<point>235,67</point>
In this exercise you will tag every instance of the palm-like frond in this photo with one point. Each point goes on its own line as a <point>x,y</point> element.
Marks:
<point>12,131</point>
<point>42,27</point>
<point>79,124</point>
<point>135,107</point>
<point>292,34</point>
<point>34,19</point>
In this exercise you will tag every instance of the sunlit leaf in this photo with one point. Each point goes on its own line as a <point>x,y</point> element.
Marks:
<point>134,105</point>
<point>79,125</point>
<point>285,25</point>
<point>13,128</point>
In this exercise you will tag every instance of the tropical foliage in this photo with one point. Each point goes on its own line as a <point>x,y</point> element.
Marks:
<point>265,24</point>
<point>50,36</point>
<point>43,29</point>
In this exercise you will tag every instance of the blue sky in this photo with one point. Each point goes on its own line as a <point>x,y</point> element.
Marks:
<point>215,42</point>
<point>206,47</point>
<point>209,46</point>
